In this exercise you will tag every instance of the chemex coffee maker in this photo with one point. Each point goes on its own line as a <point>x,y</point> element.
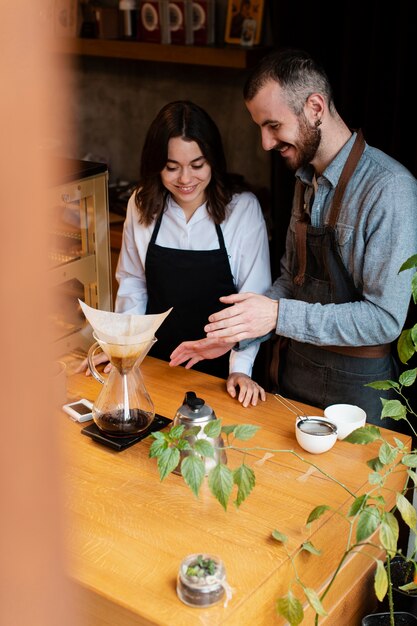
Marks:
<point>123,408</point>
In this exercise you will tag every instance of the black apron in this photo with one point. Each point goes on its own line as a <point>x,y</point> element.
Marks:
<point>190,281</point>
<point>321,376</point>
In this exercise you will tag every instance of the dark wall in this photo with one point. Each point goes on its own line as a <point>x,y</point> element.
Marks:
<point>370,55</point>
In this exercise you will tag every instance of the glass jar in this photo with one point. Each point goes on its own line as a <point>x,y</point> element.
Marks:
<point>201,580</point>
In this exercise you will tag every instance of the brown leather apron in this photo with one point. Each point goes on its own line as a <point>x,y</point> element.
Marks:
<point>330,374</point>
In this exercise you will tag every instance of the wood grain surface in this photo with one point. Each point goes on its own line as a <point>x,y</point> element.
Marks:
<point>128,531</point>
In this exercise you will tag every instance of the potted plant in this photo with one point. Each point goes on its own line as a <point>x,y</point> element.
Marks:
<point>368,512</point>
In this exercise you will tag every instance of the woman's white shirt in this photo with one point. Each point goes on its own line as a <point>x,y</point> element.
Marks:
<point>246,241</point>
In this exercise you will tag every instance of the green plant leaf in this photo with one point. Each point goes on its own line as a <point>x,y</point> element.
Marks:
<point>408,512</point>
<point>375,464</point>
<point>368,521</point>
<point>412,475</point>
<point>364,435</point>
<point>220,480</point>
<point>314,601</point>
<point>409,263</point>
<point>244,478</point>
<point>410,587</point>
<point>410,460</point>
<point>192,470</point>
<point>414,288</point>
<point>245,431</point>
<point>291,609</point>
<point>388,533</point>
<point>405,346</point>
<point>213,428</point>
<point>183,444</point>
<point>408,377</point>
<point>176,431</point>
<point>308,547</point>
<point>380,581</point>
<point>393,409</point>
<point>157,447</point>
<point>383,384</point>
<point>400,445</point>
<point>375,479</point>
<point>317,512</point>
<point>168,461</point>
<point>387,453</point>
<point>279,536</point>
<point>204,447</point>
<point>227,430</point>
<point>192,431</point>
<point>357,504</point>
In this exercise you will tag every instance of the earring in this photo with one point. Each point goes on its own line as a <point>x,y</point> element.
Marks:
<point>318,123</point>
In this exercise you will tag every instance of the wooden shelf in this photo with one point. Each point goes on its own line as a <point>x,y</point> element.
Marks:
<point>215,56</point>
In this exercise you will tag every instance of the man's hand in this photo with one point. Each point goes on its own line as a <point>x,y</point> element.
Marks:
<point>195,351</point>
<point>251,315</point>
<point>249,391</point>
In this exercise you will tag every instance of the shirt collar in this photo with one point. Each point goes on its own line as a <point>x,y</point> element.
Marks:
<point>333,170</point>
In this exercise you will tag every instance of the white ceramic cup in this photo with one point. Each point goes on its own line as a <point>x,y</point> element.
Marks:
<point>315,434</point>
<point>347,418</point>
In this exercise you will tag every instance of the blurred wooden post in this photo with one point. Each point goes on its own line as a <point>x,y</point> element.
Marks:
<point>33,589</point>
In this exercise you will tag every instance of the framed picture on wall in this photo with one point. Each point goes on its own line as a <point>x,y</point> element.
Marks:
<point>244,22</point>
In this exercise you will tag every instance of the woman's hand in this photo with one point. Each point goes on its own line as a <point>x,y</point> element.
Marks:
<point>195,351</point>
<point>97,359</point>
<point>249,391</point>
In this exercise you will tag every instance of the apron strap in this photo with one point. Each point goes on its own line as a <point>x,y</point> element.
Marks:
<point>349,167</point>
<point>301,224</point>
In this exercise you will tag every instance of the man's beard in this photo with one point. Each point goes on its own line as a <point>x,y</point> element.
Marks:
<point>307,143</point>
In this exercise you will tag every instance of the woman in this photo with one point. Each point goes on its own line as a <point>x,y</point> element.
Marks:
<point>189,237</point>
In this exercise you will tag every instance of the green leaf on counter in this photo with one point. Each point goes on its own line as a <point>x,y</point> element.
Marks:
<point>314,601</point>
<point>213,428</point>
<point>364,435</point>
<point>380,580</point>
<point>389,532</point>
<point>357,505</point>
<point>383,384</point>
<point>227,430</point>
<point>410,460</point>
<point>176,431</point>
<point>408,378</point>
<point>291,609</point>
<point>220,480</point>
<point>317,512</point>
<point>405,346</point>
<point>387,453</point>
<point>192,470</point>
<point>368,521</point>
<point>244,478</point>
<point>375,464</point>
<point>307,546</point>
<point>168,461</point>
<point>192,431</point>
<point>204,447</point>
<point>279,536</point>
<point>245,431</point>
<point>408,512</point>
<point>157,447</point>
<point>393,409</point>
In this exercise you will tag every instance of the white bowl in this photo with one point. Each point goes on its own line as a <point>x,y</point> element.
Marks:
<point>315,434</point>
<point>347,418</point>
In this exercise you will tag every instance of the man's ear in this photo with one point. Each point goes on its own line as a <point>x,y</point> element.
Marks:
<point>314,107</point>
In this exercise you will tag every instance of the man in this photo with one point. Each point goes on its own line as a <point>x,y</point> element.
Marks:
<point>339,299</point>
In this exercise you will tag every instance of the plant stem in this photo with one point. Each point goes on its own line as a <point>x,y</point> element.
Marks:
<point>390,599</point>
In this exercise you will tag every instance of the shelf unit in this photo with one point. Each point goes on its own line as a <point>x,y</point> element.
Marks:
<point>234,57</point>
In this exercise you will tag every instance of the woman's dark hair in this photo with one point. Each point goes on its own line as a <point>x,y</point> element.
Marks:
<point>189,121</point>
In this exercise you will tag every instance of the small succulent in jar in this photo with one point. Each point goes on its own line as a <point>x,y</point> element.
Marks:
<point>201,568</point>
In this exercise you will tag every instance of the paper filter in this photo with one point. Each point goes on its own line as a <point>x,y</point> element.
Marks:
<point>123,330</point>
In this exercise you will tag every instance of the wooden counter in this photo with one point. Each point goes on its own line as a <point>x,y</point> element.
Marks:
<point>128,531</point>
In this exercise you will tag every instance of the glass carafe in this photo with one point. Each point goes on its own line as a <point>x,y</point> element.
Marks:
<point>123,407</point>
